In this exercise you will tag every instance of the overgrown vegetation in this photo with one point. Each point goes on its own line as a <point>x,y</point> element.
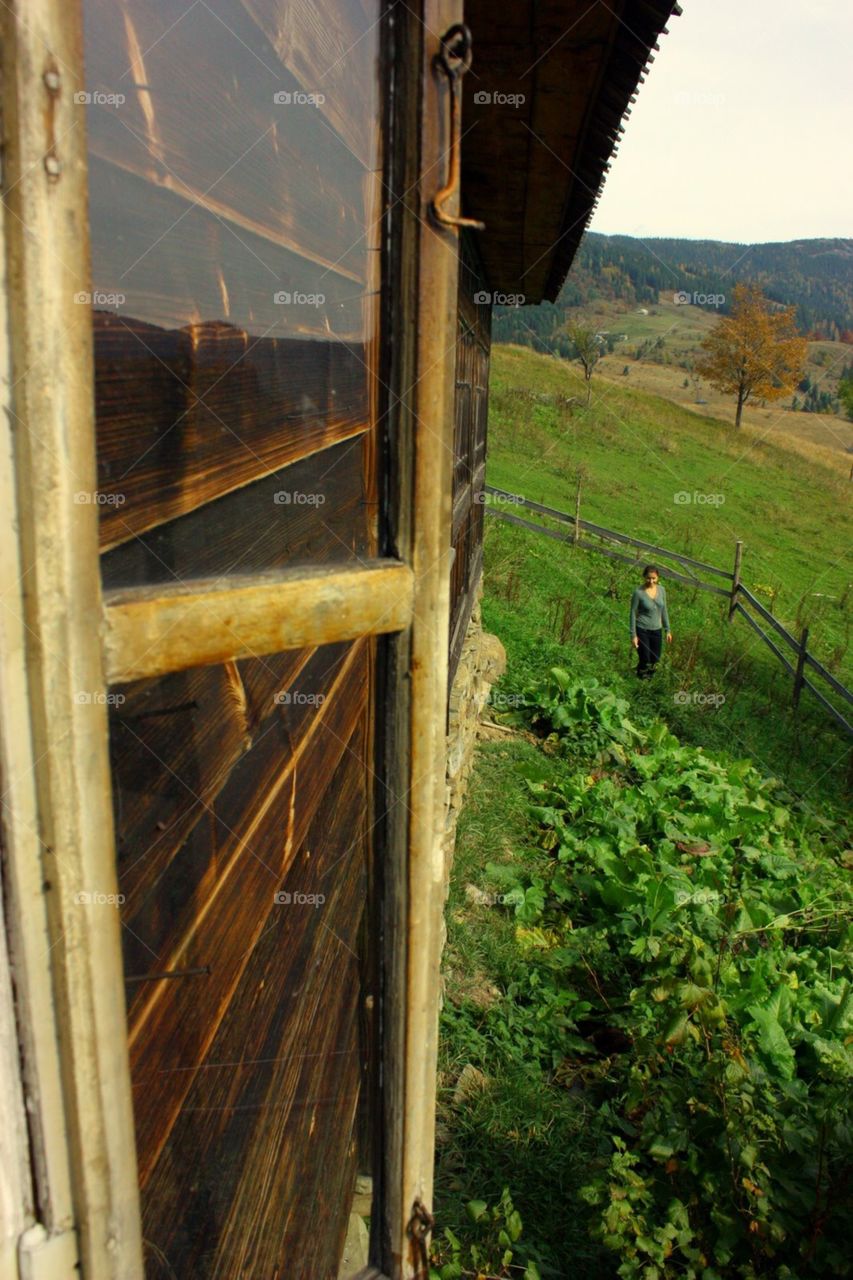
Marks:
<point>648,935</point>
<point>681,982</point>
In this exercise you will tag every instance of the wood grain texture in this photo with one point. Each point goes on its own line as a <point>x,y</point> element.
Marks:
<point>402,317</point>
<point>46,244</point>
<point>252,774</point>
<point>470,413</point>
<point>331,47</point>
<point>175,771</point>
<point>316,511</point>
<point>262,1155</point>
<point>415,967</point>
<point>262,818</point>
<point>184,417</point>
<point>178,261</point>
<point>154,630</point>
<point>238,238</point>
<point>38,1171</point>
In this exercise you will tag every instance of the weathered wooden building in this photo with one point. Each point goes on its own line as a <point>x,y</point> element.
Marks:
<point>245,350</point>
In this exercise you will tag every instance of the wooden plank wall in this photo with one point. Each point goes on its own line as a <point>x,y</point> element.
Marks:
<point>237,431</point>
<point>241,798</point>
<point>469,463</point>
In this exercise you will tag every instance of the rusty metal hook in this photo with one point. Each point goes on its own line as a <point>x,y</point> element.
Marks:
<point>453,59</point>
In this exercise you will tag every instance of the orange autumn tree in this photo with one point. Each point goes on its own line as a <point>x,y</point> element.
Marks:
<point>754,352</point>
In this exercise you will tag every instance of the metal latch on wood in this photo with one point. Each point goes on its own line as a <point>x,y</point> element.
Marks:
<point>453,60</point>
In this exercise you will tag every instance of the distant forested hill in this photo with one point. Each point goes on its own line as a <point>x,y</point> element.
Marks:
<point>816,276</point>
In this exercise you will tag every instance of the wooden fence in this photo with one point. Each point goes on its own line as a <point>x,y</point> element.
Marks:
<point>739,597</point>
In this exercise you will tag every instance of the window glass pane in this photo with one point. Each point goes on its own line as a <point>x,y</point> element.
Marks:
<point>235,196</point>
<point>242,811</point>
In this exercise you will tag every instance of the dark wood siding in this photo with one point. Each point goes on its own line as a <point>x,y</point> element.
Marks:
<point>235,202</point>
<point>469,462</point>
<point>243,819</point>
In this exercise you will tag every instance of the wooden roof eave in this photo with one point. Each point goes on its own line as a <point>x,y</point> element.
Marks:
<point>533,172</point>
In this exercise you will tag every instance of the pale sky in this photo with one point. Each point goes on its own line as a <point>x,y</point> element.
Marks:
<point>743,129</point>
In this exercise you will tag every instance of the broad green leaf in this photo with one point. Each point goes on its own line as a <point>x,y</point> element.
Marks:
<point>773,1042</point>
<point>675,1029</point>
<point>476,1209</point>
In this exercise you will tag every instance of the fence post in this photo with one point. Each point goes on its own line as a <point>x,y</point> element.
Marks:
<point>801,662</point>
<point>735,578</point>
<point>577,533</point>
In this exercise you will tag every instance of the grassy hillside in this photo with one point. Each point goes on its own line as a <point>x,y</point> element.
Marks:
<point>656,347</point>
<point>637,452</point>
<point>549,1060</point>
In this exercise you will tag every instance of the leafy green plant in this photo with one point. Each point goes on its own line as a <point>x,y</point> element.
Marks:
<point>583,717</point>
<point>707,933</point>
<point>493,1253</point>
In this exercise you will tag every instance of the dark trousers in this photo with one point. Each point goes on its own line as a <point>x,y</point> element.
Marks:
<point>649,648</point>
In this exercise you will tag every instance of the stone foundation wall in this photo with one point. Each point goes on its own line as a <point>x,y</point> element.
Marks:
<point>482,662</point>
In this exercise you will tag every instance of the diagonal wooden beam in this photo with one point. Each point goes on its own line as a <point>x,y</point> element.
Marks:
<point>150,631</point>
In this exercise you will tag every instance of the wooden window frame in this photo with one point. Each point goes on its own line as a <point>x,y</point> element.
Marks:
<point>54,744</point>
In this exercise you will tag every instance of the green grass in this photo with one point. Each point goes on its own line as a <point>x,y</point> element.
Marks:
<point>513,1132</point>
<point>552,605</point>
<point>717,686</point>
<point>637,451</point>
<point>684,327</point>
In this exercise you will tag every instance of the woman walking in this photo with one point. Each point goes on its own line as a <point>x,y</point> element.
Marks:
<point>649,621</point>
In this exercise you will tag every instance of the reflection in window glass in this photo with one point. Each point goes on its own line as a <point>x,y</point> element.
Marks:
<point>235,192</point>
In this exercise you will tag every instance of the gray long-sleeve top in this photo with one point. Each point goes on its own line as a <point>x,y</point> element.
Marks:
<point>649,614</point>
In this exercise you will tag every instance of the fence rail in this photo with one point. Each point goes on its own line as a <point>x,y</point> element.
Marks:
<point>768,617</point>
<point>737,594</point>
<point>600,530</point>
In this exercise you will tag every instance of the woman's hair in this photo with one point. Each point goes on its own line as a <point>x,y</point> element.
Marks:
<point>651,568</point>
